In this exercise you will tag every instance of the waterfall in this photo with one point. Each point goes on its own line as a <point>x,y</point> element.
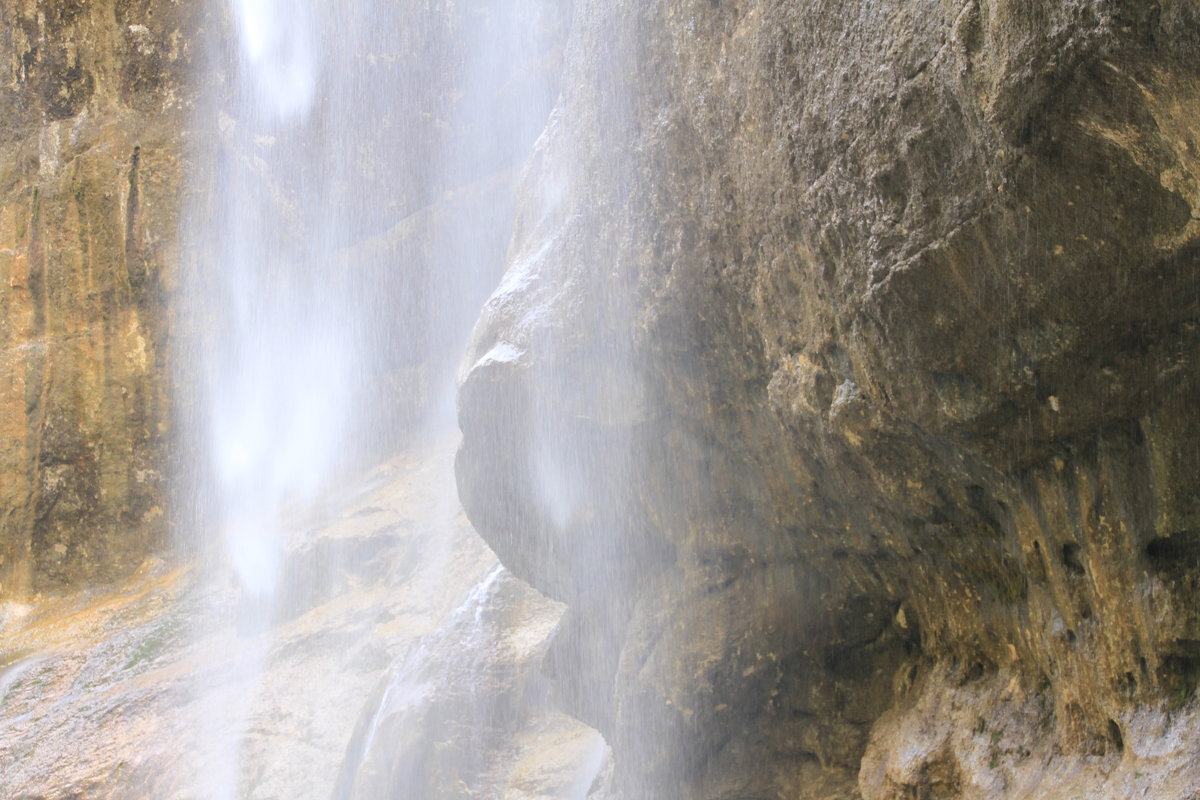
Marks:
<point>351,203</point>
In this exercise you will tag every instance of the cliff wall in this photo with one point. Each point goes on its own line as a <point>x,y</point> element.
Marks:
<point>113,125</point>
<point>843,383</point>
<point>842,380</point>
<point>92,99</point>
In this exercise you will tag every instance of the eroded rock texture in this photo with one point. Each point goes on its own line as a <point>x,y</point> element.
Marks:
<point>843,384</point>
<point>91,97</point>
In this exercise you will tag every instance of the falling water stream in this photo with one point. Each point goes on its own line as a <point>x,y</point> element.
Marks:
<point>351,207</point>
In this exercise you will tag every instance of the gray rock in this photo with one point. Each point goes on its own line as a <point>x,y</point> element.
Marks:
<point>908,296</point>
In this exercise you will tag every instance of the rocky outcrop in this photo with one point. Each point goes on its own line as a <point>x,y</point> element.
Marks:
<point>843,383</point>
<point>91,98</point>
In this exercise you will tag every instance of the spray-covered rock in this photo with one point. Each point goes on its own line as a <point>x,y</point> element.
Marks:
<point>907,294</point>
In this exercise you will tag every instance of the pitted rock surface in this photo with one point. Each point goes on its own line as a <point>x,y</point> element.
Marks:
<point>880,323</point>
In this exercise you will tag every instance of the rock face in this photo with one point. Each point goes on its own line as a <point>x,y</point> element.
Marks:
<point>91,98</point>
<point>402,656</point>
<point>843,383</point>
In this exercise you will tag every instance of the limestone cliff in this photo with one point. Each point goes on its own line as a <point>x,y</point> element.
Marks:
<point>92,95</point>
<point>843,382</point>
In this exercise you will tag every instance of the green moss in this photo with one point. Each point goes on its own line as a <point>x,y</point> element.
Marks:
<point>150,648</point>
<point>1181,693</point>
<point>26,682</point>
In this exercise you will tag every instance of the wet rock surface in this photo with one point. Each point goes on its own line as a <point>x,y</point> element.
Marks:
<point>842,384</point>
<point>127,693</point>
<point>878,324</point>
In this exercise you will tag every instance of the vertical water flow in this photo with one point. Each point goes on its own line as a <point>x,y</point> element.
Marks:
<point>275,345</point>
<point>275,379</point>
<point>352,197</point>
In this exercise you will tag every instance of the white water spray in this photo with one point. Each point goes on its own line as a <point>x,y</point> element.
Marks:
<point>276,382</point>
<point>355,199</point>
<point>275,346</point>
<point>276,38</point>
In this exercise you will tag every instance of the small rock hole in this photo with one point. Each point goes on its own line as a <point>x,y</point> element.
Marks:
<point>1070,559</point>
<point>1114,736</point>
<point>1174,553</point>
<point>1159,548</point>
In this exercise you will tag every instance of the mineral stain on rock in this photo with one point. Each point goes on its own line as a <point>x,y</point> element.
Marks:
<point>87,234</point>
